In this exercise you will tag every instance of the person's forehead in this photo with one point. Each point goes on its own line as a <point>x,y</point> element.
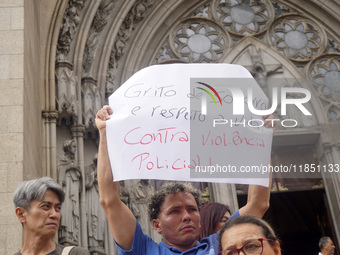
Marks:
<point>238,234</point>
<point>51,195</point>
<point>227,214</point>
<point>329,241</point>
<point>179,198</point>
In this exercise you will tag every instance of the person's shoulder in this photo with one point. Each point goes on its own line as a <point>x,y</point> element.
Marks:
<point>235,214</point>
<point>211,240</point>
<point>211,243</point>
<point>76,250</point>
<point>79,251</point>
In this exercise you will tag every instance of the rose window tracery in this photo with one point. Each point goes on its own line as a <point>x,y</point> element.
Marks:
<point>244,17</point>
<point>325,74</point>
<point>203,11</point>
<point>199,40</point>
<point>297,38</point>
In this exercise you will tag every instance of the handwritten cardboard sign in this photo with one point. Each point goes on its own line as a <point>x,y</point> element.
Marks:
<point>177,122</point>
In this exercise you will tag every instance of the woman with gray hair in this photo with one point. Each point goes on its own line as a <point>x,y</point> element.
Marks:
<point>38,208</point>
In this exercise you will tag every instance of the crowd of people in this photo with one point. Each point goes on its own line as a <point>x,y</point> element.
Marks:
<point>175,212</point>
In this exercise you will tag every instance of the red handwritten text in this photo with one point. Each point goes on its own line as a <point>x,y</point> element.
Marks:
<point>163,135</point>
<point>222,140</point>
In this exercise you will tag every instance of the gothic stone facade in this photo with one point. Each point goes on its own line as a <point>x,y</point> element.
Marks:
<point>61,59</point>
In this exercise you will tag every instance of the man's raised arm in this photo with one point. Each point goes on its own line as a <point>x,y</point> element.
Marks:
<point>258,201</point>
<point>121,220</point>
<point>258,196</point>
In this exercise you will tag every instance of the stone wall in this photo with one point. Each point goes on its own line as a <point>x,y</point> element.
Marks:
<point>33,135</point>
<point>11,119</point>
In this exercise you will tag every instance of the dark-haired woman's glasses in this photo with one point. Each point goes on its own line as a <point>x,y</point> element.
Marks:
<point>251,247</point>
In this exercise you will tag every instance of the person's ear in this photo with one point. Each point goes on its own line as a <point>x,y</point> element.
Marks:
<point>21,214</point>
<point>277,248</point>
<point>157,226</point>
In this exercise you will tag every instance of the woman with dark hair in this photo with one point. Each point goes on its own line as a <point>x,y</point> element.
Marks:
<point>249,235</point>
<point>213,216</point>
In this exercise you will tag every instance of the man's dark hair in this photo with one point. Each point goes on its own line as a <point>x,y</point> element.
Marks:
<point>168,188</point>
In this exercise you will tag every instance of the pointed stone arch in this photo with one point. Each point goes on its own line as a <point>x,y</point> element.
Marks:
<point>103,57</point>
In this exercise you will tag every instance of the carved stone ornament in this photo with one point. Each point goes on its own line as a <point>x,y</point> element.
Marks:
<point>165,54</point>
<point>66,94</point>
<point>280,9</point>
<point>203,11</point>
<point>69,177</point>
<point>199,40</point>
<point>50,114</point>
<point>298,38</point>
<point>136,14</point>
<point>96,220</point>
<point>78,130</point>
<point>68,28</point>
<point>242,18</point>
<point>325,75</point>
<point>333,45</point>
<point>99,22</point>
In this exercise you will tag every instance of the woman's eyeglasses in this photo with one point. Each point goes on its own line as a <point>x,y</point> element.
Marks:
<point>251,247</point>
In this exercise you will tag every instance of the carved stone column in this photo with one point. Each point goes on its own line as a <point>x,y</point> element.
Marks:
<point>50,122</point>
<point>78,133</point>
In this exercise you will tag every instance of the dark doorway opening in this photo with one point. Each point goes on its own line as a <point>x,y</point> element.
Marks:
<point>300,218</point>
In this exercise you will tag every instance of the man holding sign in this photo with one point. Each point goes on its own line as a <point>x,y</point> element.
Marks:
<point>174,210</point>
<point>190,122</point>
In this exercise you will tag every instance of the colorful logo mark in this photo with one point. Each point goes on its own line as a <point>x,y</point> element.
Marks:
<point>204,101</point>
<point>213,90</point>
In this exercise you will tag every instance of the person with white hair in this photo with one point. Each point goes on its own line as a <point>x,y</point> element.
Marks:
<point>326,246</point>
<point>38,207</point>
